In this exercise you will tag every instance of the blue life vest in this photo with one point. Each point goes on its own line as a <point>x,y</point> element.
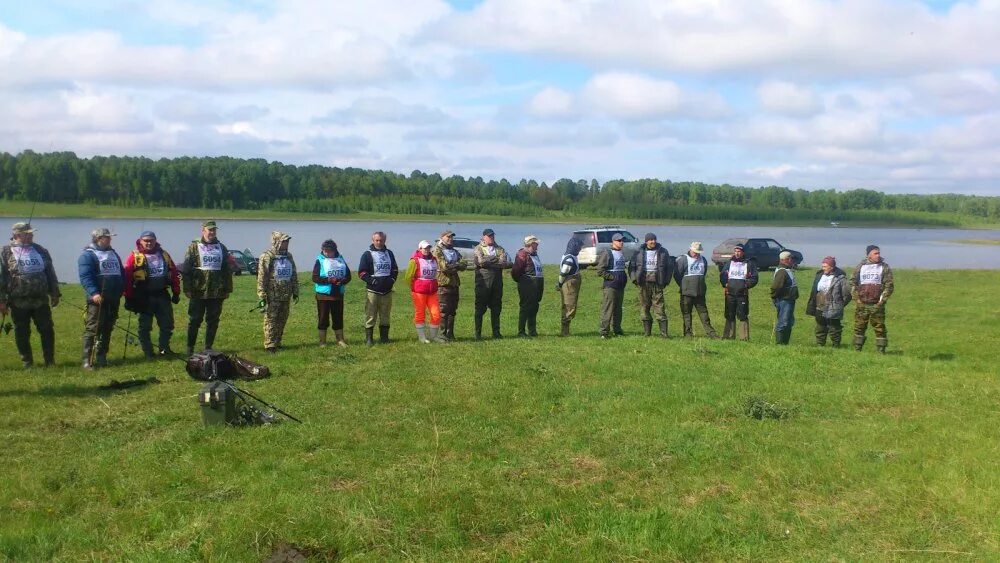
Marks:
<point>339,268</point>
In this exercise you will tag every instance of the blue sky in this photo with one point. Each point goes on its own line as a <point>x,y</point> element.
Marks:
<point>901,96</point>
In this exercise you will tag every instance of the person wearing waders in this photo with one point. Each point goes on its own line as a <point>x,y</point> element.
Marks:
<point>784,293</point>
<point>527,274</point>
<point>651,271</point>
<point>689,273</point>
<point>28,290</point>
<point>207,280</point>
<point>569,282</point>
<point>871,285</point>
<point>830,293</point>
<point>330,277</point>
<point>102,278</point>
<point>611,268</point>
<point>151,278</point>
<point>737,277</point>
<point>450,263</point>
<point>490,260</point>
<point>277,285</point>
<point>378,269</point>
<point>422,275</point>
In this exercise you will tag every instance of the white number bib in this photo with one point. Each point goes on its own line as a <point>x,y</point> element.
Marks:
<point>651,260</point>
<point>618,260</point>
<point>538,266</point>
<point>871,274</point>
<point>381,263</point>
<point>29,260</point>
<point>428,268</point>
<point>282,269</point>
<point>335,268</point>
<point>108,262</point>
<point>450,255</point>
<point>211,257</point>
<point>156,265</point>
<point>696,266</point>
<point>737,270</point>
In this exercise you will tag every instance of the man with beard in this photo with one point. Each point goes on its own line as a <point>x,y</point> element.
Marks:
<point>28,286</point>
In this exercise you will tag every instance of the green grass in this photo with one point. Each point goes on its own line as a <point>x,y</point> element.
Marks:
<point>551,448</point>
<point>21,210</point>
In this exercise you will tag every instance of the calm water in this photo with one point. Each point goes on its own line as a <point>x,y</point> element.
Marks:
<point>902,248</point>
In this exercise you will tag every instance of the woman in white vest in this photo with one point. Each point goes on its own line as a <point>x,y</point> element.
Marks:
<point>330,276</point>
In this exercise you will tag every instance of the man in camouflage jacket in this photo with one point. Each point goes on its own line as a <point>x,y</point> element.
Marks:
<point>871,286</point>
<point>277,284</point>
<point>28,285</point>
<point>450,263</point>
<point>491,260</point>
<point>207,276</point>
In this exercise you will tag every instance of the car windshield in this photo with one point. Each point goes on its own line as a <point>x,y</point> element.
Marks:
<point>605,236</point>
<point>773,245</point>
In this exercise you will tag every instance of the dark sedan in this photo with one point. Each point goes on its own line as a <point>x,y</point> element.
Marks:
<point>762,251</point>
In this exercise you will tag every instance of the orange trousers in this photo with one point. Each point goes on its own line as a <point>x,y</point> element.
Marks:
<point>422,302</point>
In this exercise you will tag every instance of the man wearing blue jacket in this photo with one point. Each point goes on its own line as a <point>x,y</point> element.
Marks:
<point>379,271</point>
<point>611,266</point>
<point>103,279</point>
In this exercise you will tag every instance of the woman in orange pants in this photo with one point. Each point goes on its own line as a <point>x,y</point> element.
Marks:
<point>422,276</point>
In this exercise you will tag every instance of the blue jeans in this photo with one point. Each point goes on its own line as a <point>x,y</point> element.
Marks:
<point>786,314</point>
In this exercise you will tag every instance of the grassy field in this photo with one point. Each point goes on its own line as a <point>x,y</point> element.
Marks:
<point>21,209</point>
<point>551,448</point>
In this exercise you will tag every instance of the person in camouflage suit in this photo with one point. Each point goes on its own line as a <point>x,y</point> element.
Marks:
<point>450,263</point>
<point>871,286</point>
<point>277,284</point>
<point>207,276</point>
<point>28,286</point>
<point>491,260</point>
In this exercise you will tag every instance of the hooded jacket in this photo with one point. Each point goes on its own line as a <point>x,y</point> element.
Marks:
<point>366,270</point>
<point>831,305</point>
<point>664,266</point>
<point>422,273</point>
<point>137,278</point>
<point>277,277</point>
<point>569,266</point>
<point>110,285</point>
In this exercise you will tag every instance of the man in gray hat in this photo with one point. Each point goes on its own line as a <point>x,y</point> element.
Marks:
<point>28,286</point>
<point>103,279</point>
<point>611,263</point>
<point>651,270</point>
<point>689,273</point>
<point>207,277</point>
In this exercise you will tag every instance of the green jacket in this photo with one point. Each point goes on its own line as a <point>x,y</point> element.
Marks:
<point>27,290</point>
<point>489,269</point>
<point>784,285</point>
<point>877,286</point>
<point>273,266</point>
<point>448,269</point>
<point>201,283</point>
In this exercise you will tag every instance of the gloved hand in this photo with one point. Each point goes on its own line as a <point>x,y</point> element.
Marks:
<point>54,300</point>
<point>176,298</point>
<point>295,299</point>
<point>262,303</point>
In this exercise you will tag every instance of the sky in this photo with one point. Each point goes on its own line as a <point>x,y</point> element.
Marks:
<point>894,95</point>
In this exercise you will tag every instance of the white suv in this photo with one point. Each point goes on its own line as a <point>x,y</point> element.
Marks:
<point>596,239</point>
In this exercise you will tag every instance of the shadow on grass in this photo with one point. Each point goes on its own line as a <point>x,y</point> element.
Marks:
<point>74,390</point>
<point>942,357</point>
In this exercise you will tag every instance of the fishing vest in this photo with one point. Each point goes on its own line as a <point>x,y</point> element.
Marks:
<point>425,281</point>
<point>381,264</point>
<point>107,262</point>
<point>738,270</point>
<point>151,270</point>
<point>210,256</point>
<point>793,285</point>
<point>28,261</point>
<point>331,268</point>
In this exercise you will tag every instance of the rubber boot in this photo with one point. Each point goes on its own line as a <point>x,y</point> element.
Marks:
<point>880,344</point>
<point>729,331</point>
<point>146,345</point>
<point>835,339</point>
<point>210,336</point>
<point>821,332</point>
<point>192,338</point>
<point>383,334</point>
<point>22,338</point>
<point>450,321</point>
<point>565,329</point>
<point>421,335</point>
<point>435,335</point>
<point>478,319</point>
<point>744,330</point>
<point>88,352</point>
<point>533,327</point>
<point>101,344</point>
<point>369,336</point>
<point>521,321</point>
<point>322,338</point>
<point>495,324</point>
<point>49,348</point>
<point>779,337</point>
<point>339,334</point>
<point>664,333</point>
<point>647,328</point>
<point>859,342</point>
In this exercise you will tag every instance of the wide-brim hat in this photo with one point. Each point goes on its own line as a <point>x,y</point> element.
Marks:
<point>696,247</point>
<point>22,229</point>
<point>530,239</point>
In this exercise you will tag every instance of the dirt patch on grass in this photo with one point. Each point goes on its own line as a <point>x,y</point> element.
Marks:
<point>698,497</point>
<point>290,553</point>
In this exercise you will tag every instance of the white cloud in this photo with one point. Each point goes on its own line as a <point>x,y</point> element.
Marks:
<point>552,103</point>
<point>772,172</point>
<point>632,96</point>
<point>788,99</point>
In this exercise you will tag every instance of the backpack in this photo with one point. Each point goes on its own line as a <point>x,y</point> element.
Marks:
<point>209,366</point>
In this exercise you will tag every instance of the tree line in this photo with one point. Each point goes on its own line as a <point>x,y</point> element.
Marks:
<point>235,183</point>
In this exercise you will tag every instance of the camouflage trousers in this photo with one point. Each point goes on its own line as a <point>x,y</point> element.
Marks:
<point>874,315</point>
<point>275,317</point>
<point>651,301</point>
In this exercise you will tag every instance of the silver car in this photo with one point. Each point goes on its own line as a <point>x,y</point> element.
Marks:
<point>596,239</point>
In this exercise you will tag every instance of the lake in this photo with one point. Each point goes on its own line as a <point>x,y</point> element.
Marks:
<point>902,248</point>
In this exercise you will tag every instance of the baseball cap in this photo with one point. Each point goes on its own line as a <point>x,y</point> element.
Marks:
<point>488,232</point>
<point>617,236</point>
<point>210,224</point>
<point>530,239</point>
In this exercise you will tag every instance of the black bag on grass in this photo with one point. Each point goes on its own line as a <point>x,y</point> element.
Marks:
<point>210,365</point>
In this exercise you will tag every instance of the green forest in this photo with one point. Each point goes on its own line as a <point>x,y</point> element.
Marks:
<point>256,184</point>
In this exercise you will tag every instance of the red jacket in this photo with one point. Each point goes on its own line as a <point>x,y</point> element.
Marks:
<point>137,261</point>
<point>419,284</point>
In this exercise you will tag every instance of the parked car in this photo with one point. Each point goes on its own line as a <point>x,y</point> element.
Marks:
<point>762,251</point>
<point>596,239</point>
<point>244,261</point>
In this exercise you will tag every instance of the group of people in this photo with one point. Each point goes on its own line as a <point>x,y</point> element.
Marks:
<point>151,283</point>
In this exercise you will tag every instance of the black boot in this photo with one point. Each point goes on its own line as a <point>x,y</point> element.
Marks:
<point>663,329</point>
<point>88,352</point>
<point>383,334</point>
<point>210,336</point>
<point>533,327</point>
<point>22,338</point>
<point>49,348</point>
<point>565,329</point>
<point>479,325</point>
<point>521,322</point>
<point>647,328</point>
<point>192,338</point>
<point>369,336</point>
<point>835,339</point>
<point>495,323</point>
